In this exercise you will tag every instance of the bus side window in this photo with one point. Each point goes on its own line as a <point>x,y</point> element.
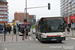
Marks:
<point>39,27</point>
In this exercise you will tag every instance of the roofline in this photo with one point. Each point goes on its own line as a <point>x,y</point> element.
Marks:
<point>3,2</point>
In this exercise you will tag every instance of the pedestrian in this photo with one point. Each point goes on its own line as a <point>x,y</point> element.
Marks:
<point>27,30</point>
<point>68,30</point>
<point>14,30</point>
<point>9,29</point>
<point>5,29</point>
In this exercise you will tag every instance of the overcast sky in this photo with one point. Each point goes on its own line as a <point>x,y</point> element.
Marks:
<point>19,5</point>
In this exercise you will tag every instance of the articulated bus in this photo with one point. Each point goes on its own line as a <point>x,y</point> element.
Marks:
<point>50,29</point>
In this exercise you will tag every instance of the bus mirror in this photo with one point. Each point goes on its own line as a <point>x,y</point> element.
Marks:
<point>39,22</point>
<point>64,21</point>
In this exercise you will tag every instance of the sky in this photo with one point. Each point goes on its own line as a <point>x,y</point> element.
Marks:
<point>19,5</point>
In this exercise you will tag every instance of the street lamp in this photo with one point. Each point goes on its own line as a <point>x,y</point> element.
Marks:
<point>25,17</point>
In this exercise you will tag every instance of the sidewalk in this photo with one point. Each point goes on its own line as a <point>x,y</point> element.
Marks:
<point>70,33</point>
<point>11,37</point>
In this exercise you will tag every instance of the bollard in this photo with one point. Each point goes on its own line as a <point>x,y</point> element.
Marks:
<point>2,38</point>
<point>4,32</point>
<point>12,37</point>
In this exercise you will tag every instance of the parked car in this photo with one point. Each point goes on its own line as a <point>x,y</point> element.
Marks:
<point>33,30</point>
<point>1,28</point>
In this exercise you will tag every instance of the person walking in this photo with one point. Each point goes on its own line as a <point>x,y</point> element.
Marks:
<point>68,30</point>
<point>5,32</point>
<point>27,31</point>
<point>9,29</point>
<point>14,30</point>
<point>5,29</point>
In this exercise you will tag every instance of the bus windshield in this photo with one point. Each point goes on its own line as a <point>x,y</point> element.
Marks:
<point>53,25</point>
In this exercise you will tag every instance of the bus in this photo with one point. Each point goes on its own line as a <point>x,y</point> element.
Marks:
<point>50,29</point>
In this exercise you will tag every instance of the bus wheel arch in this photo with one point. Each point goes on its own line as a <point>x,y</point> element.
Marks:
<point>60,41</point>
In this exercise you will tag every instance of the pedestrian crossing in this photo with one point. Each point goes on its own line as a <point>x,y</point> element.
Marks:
<point>30,38</point>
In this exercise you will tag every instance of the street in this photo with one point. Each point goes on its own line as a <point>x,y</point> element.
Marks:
<point>33,44</point>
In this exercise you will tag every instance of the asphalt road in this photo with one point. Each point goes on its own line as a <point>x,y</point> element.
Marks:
<point>33,44</point>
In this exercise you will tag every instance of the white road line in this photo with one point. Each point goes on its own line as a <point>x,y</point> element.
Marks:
<point>67,39</point>
<point>30,38</point>
<point>72,38</point>
<point>5,48</point>
<point>36,39</point>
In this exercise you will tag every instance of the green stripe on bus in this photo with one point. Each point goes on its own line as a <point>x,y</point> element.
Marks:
<point>53,38</point>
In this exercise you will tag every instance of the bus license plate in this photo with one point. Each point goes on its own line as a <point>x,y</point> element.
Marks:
<point>53,39</point>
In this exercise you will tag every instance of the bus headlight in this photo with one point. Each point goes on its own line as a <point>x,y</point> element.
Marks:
<point>43,36</point>
<point>63,34</point>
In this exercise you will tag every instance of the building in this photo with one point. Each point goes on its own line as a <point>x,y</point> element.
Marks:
<point>68,10</point>
<point>3,12</point>
<point>19,16</point>
<point>32,19</point>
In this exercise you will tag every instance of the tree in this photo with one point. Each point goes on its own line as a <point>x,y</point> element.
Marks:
<point>13,20</point>
<point>8,25</point>
<point>33,26</point>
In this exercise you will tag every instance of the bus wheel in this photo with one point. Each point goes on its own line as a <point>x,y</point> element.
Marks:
<point>41,41</point>
<point>60,41</point>
<point>36,37</point>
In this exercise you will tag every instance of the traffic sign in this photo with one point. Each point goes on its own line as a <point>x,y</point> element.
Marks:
<point>4,16</point>
<point>72,17</point>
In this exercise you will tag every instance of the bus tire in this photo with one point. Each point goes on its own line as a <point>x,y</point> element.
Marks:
<point>60,41</point>
<point>41,40</point>
<point>36,37</point>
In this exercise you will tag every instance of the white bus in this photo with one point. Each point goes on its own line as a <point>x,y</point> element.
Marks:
<point>50,29</point>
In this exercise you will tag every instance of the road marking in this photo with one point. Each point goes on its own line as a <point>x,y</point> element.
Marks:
<point>67,39</point>
<point>30,38</point>
<point>1,34</point>
<point>36,39</point>
<point>5,48</point>
<point>72,38</point>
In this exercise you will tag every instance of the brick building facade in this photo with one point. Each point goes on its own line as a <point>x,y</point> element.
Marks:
<point>19,16</point>
<point>3,12</point>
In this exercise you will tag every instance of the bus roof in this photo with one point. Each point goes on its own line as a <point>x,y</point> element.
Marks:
<point>48,17</point>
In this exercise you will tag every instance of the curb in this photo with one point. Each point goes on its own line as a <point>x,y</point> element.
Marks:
<point>71,36</point>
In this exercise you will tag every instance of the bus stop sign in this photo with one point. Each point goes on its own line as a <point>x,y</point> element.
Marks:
<point>72,17</point>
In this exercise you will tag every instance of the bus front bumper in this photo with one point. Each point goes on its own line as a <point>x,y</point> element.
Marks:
<point>53,38</point>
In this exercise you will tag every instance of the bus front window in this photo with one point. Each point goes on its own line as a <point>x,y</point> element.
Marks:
<point>53,26</point>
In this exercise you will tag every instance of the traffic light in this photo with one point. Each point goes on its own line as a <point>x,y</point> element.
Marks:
<point>25,20</point>
<point>48,6</point>
<point>72,21</point>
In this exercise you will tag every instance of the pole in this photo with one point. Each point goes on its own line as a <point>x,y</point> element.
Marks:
<point>12,37</point>
<point>4,32</point>
<point>26,9</point>
<point>73,30</point>
<point>16,31</point>
<point>2,38</point>
<point>4,27</point>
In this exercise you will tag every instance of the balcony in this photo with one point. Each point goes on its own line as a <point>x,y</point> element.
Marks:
<point>3,12</point>
<point>3,19</point>
<point>3,9</point>
<point>3,16</point>
<point>3,6</point>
